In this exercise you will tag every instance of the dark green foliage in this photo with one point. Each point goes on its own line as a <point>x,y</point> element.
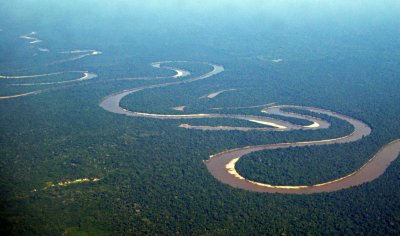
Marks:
<point>153,181</point>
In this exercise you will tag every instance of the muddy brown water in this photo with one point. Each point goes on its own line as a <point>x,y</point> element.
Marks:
<point>218,164</point>
<point>375,167</point>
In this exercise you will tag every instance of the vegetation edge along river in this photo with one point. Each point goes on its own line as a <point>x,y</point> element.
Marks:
<point>222,165</point>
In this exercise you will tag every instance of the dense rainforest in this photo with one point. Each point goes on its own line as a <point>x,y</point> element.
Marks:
<point>151,176</point>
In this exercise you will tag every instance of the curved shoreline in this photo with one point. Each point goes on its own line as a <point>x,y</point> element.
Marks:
<point>111,103</point>
<point>79,55</point>
<point>223,169</point>
<point>86,76</point>
<point>222,165</point>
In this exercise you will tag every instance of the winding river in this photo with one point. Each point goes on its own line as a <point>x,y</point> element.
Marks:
<point>85,76</point>
<point>222,165</point>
